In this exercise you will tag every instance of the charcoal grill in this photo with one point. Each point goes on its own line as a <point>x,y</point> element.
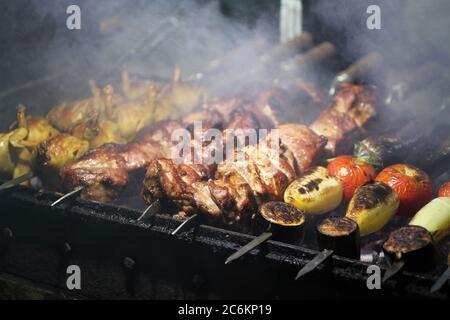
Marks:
<point>123,258</point>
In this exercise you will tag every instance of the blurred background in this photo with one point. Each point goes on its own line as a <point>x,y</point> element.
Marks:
<point>152,36</point>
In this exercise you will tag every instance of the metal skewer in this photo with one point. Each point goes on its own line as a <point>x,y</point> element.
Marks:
<point>70,195</point>
<point>442,279</point>
<point>314,55</point>
<point>151,210</point>
<point>271,215</point>
<point>356,71</point>
<point>249,246</point>
<point>423,76</point>
<point>335,235</point>
<point>188,224</point>
<point>395,268</point>
<point>17,181</point>
<point>314,263</point>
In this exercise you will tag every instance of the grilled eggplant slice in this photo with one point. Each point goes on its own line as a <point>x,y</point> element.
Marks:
<point>284,220</point>
<point>341,235</point>
<point>413,245</point>
<point>372,206</point>
<point>315,191</point>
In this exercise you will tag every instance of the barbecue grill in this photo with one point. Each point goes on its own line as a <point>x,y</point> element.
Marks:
<point>124,257</point>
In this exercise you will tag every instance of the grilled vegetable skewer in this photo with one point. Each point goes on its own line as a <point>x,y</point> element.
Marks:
<point>334,235</point>
<point>315,191</point>
<point>370,208</point>
<point>413,245</point>
<point>435,217</point>
<point>233,195</point>
<point>341,235</point>
<point>282,222</point>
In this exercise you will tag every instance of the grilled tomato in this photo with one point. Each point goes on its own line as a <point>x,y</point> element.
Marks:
<point>352,172</point>
<point>444,190</point>
<point>412,185</point>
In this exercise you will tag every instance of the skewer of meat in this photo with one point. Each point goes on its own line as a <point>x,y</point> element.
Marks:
<point>239,187</point>
<point>236,112</point>
<point>104,172</point>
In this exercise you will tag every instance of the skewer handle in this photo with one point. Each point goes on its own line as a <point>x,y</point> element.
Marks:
<point>421,77</point>
<point>313,56</point>
<point>357,70</point>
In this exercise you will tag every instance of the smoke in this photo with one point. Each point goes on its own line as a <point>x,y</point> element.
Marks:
<point>152,36</point>
<point>149,36</point>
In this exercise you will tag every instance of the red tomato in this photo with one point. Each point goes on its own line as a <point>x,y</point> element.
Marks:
<point>444,190</point>
<point>413,187</point>
<point>352,172</point>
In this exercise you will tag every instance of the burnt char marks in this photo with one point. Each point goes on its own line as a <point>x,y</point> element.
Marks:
<point>101,172</point>
<point>312,184</point>
<point>281,213</point>
<point>407,239</point>
<point>371,195</point>
<point>337,226</point>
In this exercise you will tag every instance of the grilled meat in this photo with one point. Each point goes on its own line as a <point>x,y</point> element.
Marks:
<point>152,143</point>
<point>18,147</point>
<point>68,115</point>
<point>110,118</point>
<point>102,172</point>
<point>302,103</point>
<point>55,153</point>
<point>7,154</point>
<point>265,172</point>
<point>344,119</point>
<point>239,185</point>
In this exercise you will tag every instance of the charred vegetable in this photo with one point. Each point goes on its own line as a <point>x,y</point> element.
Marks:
<point>412,185</point>
<point>372,206</point>
<point>280,221</point>
<point>435,217</point>
<point>283,220</point>
<point>315,191</point>
<point>413,245</point>
<point>352,172</point>
<point>444,190</point>
<point>341,235</point>
<point>390,147</point>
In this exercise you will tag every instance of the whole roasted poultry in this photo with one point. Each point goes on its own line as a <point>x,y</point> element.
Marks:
<point>45,145</point>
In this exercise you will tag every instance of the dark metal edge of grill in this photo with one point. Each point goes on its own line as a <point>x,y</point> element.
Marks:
<point>189,266</point>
